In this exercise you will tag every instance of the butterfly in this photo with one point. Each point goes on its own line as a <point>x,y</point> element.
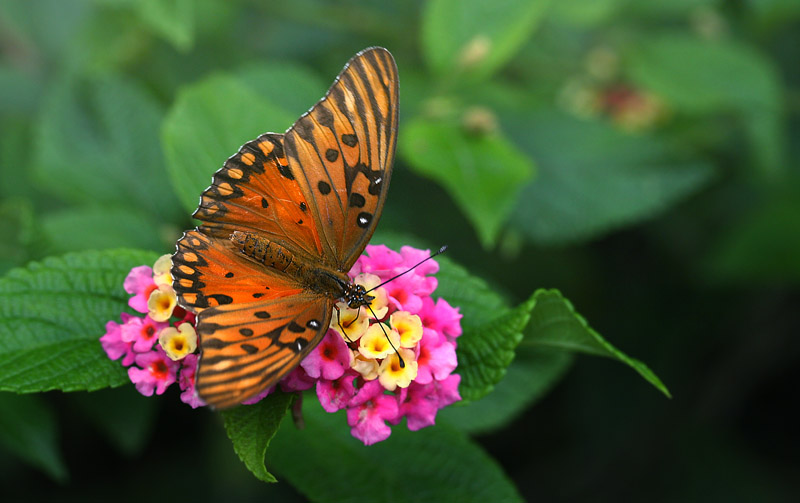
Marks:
<point>282,223</point>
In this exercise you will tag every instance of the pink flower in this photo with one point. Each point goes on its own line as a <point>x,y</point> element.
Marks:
<point>436,359</point>
<point>297,380</point>
<point>142,332</point>
<point>423,401</point>
<point>368,412</point>
<point>329,359</point>
<point>156,373</point>
<point>441,317</point>
<point>113,344</point>
<point>186,382</point>
<point>377,258</point>
<point>335,395</point>
<point>402,293</point>
<point>413,256</point>
<point>140,283</point>
<point>448,390</point>
<point>419,406</point>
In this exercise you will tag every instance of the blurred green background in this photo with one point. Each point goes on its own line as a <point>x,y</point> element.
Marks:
<point>642,157</point>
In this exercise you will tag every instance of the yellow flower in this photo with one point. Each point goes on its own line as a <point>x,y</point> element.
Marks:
<point>178,342</point>
<point>380,302</point>
<point>391,374</point>
<point>161,270</point>
<point>409,326</point>
<point>353,321</point>
<point>367,367</point>
<point>161,303</point>
<point>374,343</point>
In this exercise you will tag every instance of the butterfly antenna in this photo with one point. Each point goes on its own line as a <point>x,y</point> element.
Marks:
<point>438,252</point>
<point>402,362</point>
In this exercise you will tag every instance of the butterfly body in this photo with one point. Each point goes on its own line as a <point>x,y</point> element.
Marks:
<point>328,282</point>
<point>283,222</point>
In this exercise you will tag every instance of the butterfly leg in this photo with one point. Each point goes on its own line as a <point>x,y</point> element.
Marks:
<point>358,313</point>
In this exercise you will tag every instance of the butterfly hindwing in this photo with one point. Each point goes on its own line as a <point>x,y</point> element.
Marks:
<point>249,347</point>
<point>342,152</point>
<point>255,191</point>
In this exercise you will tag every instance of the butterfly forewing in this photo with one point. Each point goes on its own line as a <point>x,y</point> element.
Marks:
<point>317,192</point>
<point>256,192</point>
<point>343,149</point>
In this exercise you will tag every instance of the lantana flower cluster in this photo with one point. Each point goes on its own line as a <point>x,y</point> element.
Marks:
<point>159,347</point>
<point>357,365</point>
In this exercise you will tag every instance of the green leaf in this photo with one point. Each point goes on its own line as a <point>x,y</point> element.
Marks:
<point>33,25</point>
<point>28,429</point>
<point>172,19</point>
<point>52,314</point>
<point>664,11</point>
<point>585,13</point>
<point>594,178</point>
<point>436,464</point>
<point>16,145</point>
<point>293,88</point>
<point>555,324</point>
<point>19,233</point>
<point>485,352</point>
<point>474,37</point>
<point>207,124</point>
<point>701,77</point>
<point>19,92</point>
<point>76,229</point>
<point>98,141</point>
<point>112,40</point>
<point>532,374</point>
<point>483,173</point>
<point>252,427</point>
<point>762,246</point>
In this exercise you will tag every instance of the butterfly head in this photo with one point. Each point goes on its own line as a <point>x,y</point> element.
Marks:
<point>356,296</point>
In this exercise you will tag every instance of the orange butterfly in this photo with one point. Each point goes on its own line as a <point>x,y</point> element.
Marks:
<point>283,222</point>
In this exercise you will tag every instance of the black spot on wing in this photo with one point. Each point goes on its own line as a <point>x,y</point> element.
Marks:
<point>249,348</point>
<point>357,200</point>
<point>350,140</point>
<point>221,298</point>
<point>286,171</point>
